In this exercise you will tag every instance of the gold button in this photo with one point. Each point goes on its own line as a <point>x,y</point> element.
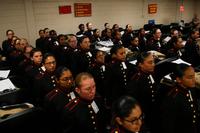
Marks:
<point>191,105</point>
<point>194,121</point>
<point>93,122</point>
<point>194,116</point>
<point>194,111</point>
<point>91,112</point>
<point>89,106</point>
<point>75,101</point>
<point>92,117</point>
<point>56,90</point>
<point>187,95</point>
<point>152,90</point>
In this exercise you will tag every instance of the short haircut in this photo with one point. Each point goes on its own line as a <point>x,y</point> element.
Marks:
<point>82,76</point>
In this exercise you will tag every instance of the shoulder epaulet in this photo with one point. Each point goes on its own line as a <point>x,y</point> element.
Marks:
<point>72,104</point>
<point>52,94</point>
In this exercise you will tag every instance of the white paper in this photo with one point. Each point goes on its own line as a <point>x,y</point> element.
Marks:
<point>4,73</point>
<point>147,31</point>
<point>106,43</point>
<point>6,84</point>
<point>167,39</point>
<point>179,61</point>
<point>104,49</point>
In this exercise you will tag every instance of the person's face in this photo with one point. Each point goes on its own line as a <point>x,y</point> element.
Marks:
<point>37,58</point>
<point>62,40</point>
<point>73,42</point>
<point>158,33</point>
<point>188,80</point>
<point>118,35</point>
<point>13,40</point>
<point>175,33</point>
<point>116,27</point>
<point>97,33</point>
<point>129,28</point>
<point>82,28</point>
<point>50,64</point>
<point>179,44</point>
<point>23,44</point>
<point>10,34</point>
<point>133,122</point>
<point>142,32</point>
<point>87,89</point>
<point>121,54</point>
<point>27,51</point>
<point>41,34</point>
<point>135,42</point>
<point>66,80</point>
<point>148,65</point>
<point>107,26</point>
<point>17,44</point>
<point>109,33</point>
<point>100,57</point>
<point>196,35</point>
<point>89,26</point>
<point>85,44</point>
<point>46,33</point>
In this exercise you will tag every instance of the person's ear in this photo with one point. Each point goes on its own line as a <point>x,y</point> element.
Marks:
<point>77,90</point>
<point>118,120</point>
<point>178,80</point>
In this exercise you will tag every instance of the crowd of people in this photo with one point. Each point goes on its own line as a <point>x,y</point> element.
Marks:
<point>86,89</point>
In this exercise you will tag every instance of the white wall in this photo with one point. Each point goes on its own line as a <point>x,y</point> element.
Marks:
<point>26,17</point>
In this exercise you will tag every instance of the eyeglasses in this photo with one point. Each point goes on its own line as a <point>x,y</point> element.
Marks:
<point>135,121</point>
